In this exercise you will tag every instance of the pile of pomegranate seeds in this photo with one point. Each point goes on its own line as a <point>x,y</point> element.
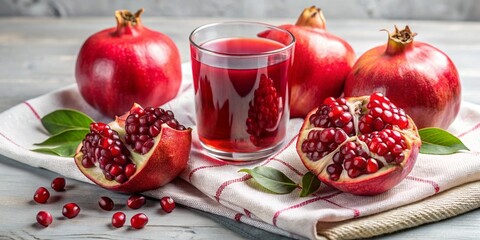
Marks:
<point>145,124</point>
<point>72,210</point>
<point>102,147</point>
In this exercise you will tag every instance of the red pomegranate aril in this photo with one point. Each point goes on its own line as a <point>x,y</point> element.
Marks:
<point>44,218</point>
<point>58,184</point>
<point>106,203</point>
<point>372,165</point>
<point>118,219</point>
<point>136,201</point>
<point>167,204</point>
<point>130,170</point>
<point>70,210</point>
<point>139,220</point>
<point>41,195</point>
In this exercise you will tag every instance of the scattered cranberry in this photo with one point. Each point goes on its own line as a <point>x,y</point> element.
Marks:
<point>139,220</point>
<point>118,219</point>
<point>44,218</point>
<point>106,203</point>
<point>41,195</point>
<point>70,210</point>
<point>136,201</point>
<point>167,204</point>
<point>58,184</point>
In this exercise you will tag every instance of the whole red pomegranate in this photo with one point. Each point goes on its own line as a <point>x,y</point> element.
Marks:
<point>321,62</point>
<point>364,145</point>
<point>142,150</point>
<point>416,76</point>
<point>117,67</point>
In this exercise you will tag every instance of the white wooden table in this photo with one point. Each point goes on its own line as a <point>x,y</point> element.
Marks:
<point>38,56</point>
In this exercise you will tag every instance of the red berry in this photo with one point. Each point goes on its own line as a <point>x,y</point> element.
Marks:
<point>106,203</point>
<point>44,218</point>
<point>139,220</point>
<point>41,195</point>
<point>118,219</point>
<point>58,184</point>
<point>167,204</point>
<point>136,201</point>
<point>70,210</point>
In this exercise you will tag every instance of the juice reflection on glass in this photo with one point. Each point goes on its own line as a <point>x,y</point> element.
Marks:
<point>241,89</point>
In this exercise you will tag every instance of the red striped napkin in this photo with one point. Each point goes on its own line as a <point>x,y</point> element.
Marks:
<point>216,187</point>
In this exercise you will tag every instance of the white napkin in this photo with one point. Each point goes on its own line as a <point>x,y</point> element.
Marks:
<point>213,186</point>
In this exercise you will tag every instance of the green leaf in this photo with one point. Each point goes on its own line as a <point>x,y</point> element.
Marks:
<point>65,150</point>
<point>437,141</point>
<point>271,179</point>
<point>68,136</point>
<point>310,184</point>
<point>65,119</point>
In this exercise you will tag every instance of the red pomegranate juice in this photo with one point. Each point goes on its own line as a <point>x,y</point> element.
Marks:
<point>241,105</point>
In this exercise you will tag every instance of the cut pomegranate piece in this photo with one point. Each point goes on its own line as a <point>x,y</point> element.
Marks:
<point>139,151</point>
<point>363,145</point>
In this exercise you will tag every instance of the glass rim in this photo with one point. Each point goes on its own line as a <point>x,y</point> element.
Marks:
<point>266,53</point>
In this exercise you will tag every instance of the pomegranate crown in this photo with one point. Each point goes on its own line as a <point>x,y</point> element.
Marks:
<point>399,40</point>
<point>311,17</point>
<point>126,18</point>
<point>402,36</point>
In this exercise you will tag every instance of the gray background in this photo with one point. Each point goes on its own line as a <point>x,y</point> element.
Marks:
<point>466,10</point>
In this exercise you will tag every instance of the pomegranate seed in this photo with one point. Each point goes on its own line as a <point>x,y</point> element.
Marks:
<point>372,165</point>
<point>353,172</point>
<point>58,184</point>
<point>136,201</point>
<point>106,203</point>
<point>130,170</point>
<point>167,204</point>
<point>41,195</point>
<point>139,220</point>
<point>118,219</point>
<point>70,210</point>
<point>359,162</point>
<point>44,218</point>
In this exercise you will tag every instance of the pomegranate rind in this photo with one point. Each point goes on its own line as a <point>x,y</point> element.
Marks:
<point>165,161</point>
<point>367,184</point>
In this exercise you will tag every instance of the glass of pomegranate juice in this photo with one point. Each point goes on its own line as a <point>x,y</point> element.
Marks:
<point>240,77</point>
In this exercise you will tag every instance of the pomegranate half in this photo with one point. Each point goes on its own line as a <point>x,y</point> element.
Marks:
<point>321,62</point>
<point>142,150</point>
<point>128,64</point>
<point>364,145</point>
<point>416,76</point>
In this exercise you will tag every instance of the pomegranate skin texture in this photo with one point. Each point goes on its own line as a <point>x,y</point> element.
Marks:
<point>128,64</point>
<point>416,76</point>
<point>321,62</point>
